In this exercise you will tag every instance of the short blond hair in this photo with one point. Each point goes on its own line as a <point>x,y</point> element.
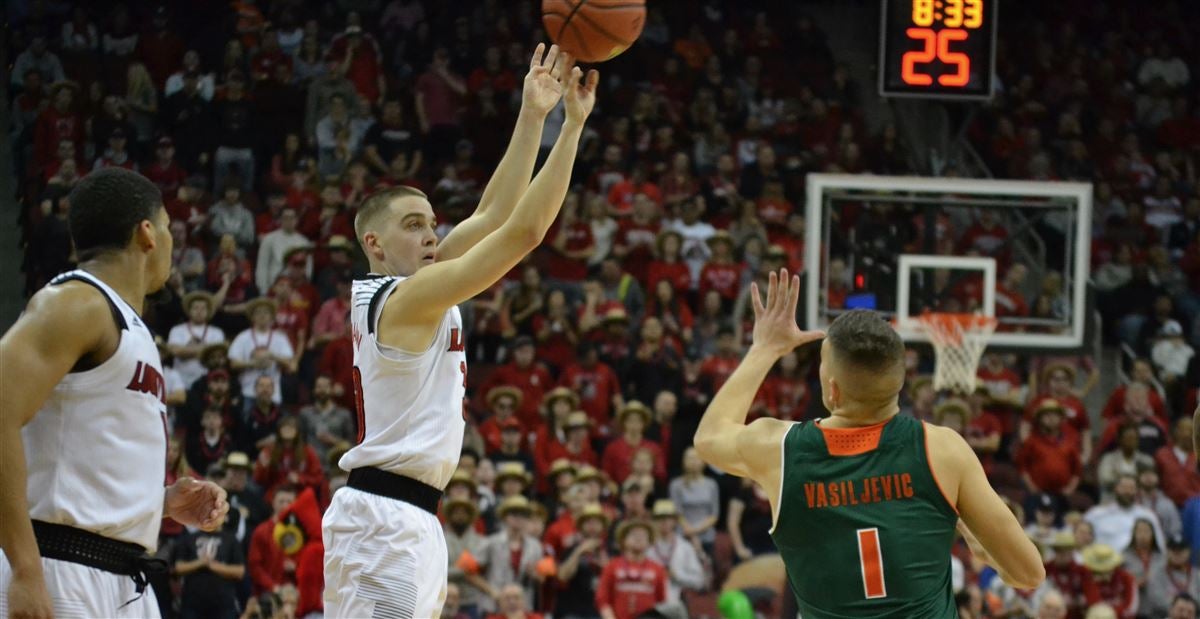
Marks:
<point>376,204</point>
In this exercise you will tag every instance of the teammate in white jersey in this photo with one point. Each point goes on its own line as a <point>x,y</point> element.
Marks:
<point>385,555</point>
<point>83,433</point>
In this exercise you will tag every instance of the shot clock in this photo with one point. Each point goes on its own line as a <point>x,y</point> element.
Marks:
<point>943,49</point>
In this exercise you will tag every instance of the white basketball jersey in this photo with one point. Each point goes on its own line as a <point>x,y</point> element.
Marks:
<point>97,450</point>
<point>410,405</point>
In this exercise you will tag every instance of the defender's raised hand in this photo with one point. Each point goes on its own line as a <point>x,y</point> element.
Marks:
<point>775,327</point>
<point>544,83</point>
<point>580,94</point>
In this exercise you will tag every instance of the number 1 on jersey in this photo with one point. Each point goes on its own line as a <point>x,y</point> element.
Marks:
<point>870,556</point>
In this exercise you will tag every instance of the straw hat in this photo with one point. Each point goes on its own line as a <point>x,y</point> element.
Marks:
<point>632,407</point>
<point>950,406</point>
<point>1063,539</point>
<point>512,504</point>
<point>559,466</point>
<point>589,473</point>
<point>1048,405</point>
<point>461,478</point>
<point>616,314</point>
<point>625,527</point>
<point>664,508</point>
<point>560,393</point>
<point>253,304</point>
<point>917,383</point>
<point>591,511</point>
<point>578,419</point>
<point>200,295</point>
<point>451,504</point>
<point>1053,367</point>
<point>504,390</point>
<point>512,470</point>
<point>339,242</point>
<point>1102,558</point>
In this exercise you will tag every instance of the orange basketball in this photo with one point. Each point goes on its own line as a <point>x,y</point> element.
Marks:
<point>594,30</point>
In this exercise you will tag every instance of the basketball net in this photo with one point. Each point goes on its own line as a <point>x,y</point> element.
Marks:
<point>958,343</point>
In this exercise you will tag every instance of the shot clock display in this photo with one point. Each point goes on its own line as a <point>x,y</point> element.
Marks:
<point>937,48</point>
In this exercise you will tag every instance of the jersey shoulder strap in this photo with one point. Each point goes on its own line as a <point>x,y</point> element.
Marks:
<point>79,276</point>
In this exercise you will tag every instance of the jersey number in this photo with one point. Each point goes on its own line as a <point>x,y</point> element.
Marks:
<point>358,405</point>
<point>870,558</point>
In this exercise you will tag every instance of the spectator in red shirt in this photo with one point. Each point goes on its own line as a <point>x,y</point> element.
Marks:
<point>526,374</point>
<point>1049,458</point>
<point>673,313</point>
<point>620,196</point>
<point>637,236</point>
<point>492,73</point>
<point>571,245</point>
<point>356,56</point>
<point>718,367</point>
<point>1114,585</point>
<point>618,456</point>
<point>227,263</point>
<point>291,460</point>
<point>721,273</point>
<point>502,402</point>
<point>1059,378</point>
<point>1152,432</point>
<point>1010,301</point>
<point>1140,372</point>
<point>165,172</point>
<point>57,122</point>
<point>1073,580</point>
<point>268,565</point>
<point>668,263</point>
<point>439,94</point>
<point>596,385</point>
<point>1177,464</point>
<point>631,584</point>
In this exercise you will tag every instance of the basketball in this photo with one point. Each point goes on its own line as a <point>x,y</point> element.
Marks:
<point>594,30</point>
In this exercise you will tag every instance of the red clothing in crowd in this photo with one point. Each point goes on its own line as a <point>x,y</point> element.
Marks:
<point>677,273</point>
<point>1049,461</point>
<point>786,398</point>
<point>620,196</point>
<point>547,448</point>
<point>630,588</point>
<point>168,177</point>
<point>489,429</point>
<point>533,381</point>
<point>556,350</point>
<point>365,66</point>
<point>557,265</point>
<point>1076,415</point>
<point>618,459</point>
<point>985,425</point>
<point>1115,407</point>
<point>595,387</point>
<point>1177,469</point>
<point>51,128</point>
<point>1075,581</point>
<point>1120,591</point>
<point>265,560</point>
<point>718,369</point>
<point>637,240</point>
<point>726,279</point>
<point>560,535</point>
<point>337,362</point>
<point>309,471</point>
<point>524,615</point>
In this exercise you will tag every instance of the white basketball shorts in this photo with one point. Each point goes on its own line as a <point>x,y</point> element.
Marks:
<point>82,592</point>
<point>384,558</point>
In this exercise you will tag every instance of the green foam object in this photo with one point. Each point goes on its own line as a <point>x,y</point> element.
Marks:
<point>735,605</point>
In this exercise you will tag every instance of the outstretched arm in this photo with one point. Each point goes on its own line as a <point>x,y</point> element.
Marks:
<point>723,439</point>
<point>509,182</point>
<point>433,289</point>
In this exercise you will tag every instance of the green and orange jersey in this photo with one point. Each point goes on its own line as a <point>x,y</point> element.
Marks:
<point>862,524</point>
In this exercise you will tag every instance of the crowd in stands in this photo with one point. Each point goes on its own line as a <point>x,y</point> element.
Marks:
<point>265,123</point>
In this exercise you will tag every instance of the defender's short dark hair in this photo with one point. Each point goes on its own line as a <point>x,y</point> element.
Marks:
<point>864,339</point>
<point>376,203</point>
<point>106,206</point>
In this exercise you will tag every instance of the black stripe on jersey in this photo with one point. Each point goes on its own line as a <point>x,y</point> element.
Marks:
<point>375,299</point>
<point>112,305</point>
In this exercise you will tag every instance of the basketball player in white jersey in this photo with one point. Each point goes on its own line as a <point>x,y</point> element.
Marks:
<point>83,433</point>
<point>385,555</point>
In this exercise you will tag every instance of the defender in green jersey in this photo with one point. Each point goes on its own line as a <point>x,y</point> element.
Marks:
<point>866,502</point>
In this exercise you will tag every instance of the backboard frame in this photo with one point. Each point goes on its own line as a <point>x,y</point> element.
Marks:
<point>818,184</point>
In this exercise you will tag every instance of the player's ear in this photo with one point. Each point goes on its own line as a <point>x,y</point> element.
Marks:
<point>145,235</point>
<point>835,392</point>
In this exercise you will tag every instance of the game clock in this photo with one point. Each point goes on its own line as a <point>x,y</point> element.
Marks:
<point>942,49</point>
